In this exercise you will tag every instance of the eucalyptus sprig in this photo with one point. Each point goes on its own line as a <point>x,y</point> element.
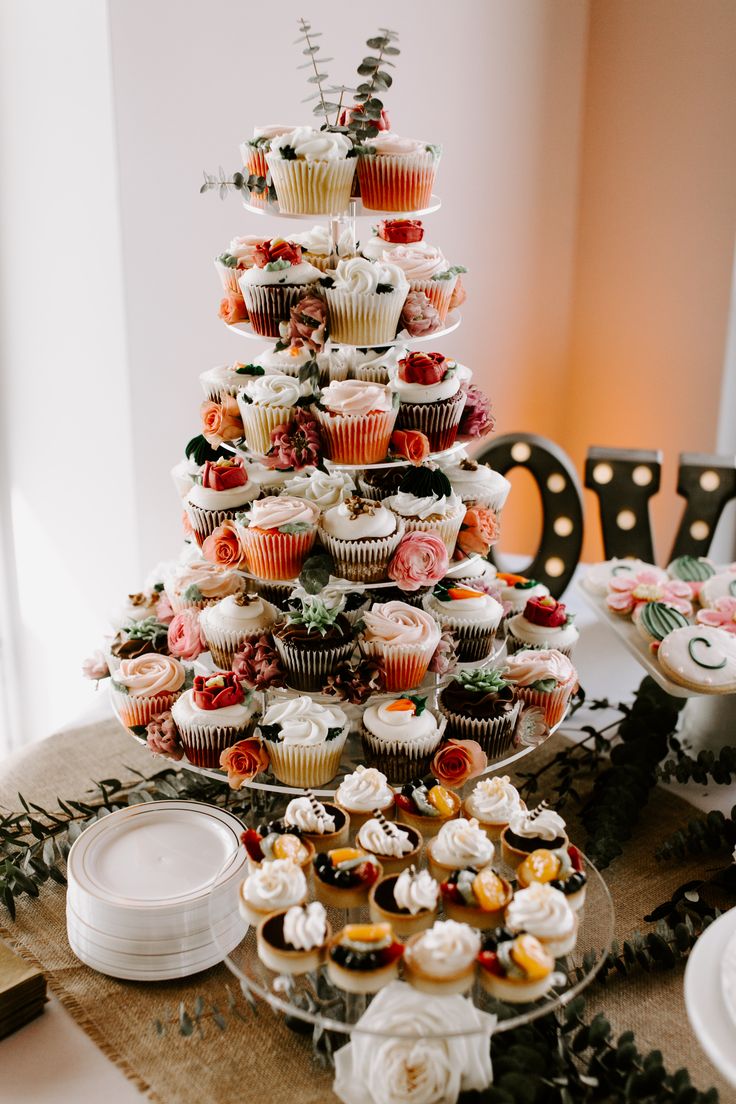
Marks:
<point>708,766</point>
<point>372,68</point>
<point>316,62</point>
<point>702,835</point>
<point>238,182</point>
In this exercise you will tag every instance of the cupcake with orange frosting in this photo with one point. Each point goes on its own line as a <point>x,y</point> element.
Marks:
<point>397,174</point>
<point>356,420</point>
<point>146,685</point>
<point>211,717</point>
<point>278,534</point>
<point>402,639</point>
<point>516,590</point>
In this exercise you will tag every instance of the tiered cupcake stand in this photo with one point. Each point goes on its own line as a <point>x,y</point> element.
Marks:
<point>310,1002</point>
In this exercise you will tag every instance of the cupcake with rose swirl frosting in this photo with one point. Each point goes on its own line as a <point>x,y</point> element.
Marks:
<point>270,888</point>
<point>543,677</point>
<point>361,536</point>
<point>146,685</point>
<point>396,847</point>
<point>324,489</point>
<point>312,171</point>
<point>459,843</point>
<point>531,829</point>
<point>228,624</point>
<point>321,823</point>
<point>356,420</point>
<point>312,641</point>
<point>278,533</point>
<point>265,403</point>
<point>408,901</point>
<point>278,279</point>
<point>399,737</point>
<point>397,174</point>
<point>294,941</point>
<point>494,802</point>
<point>199,583</point>
<point>428,272</point>
<point>543,912</point>
<point>365,300</point>
<point>211,717</point>
<point>304,740</point>
<point>431,399</point>
<point>481,705</point>
<point>362,792</point>
<point>442,959</point>
<point>402,639</point>
<point>427,504</point>
<point>472,616</point>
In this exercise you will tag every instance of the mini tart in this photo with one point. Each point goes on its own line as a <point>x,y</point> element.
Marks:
<point>275,953</point>
<point>326,841</point>
<point>427,825</point>
<point>358,817</point>
<point>562,869</point>
<point>493,829</point>
<point>439,985</point>
<point>442,871</point>
<point>252,839</point>
<point>255,915</point>
<point>515,968</point>
<point>354,892</point>
<point>383,907</point>
<point>481,916</point>
<point>363,971</point>
<point>394,864</point>
<point>514,849</point>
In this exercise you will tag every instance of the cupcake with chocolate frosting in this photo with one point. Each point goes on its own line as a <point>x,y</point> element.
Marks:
<point>426,503</point>
<point>431,399</point>
<point>472,616</point>
<point>400,737</point>
<point>361,536</point>
<point>480,705</point>
<point>139,638</point>
<point>313,641</point>
<point>380,483</point>
<point>227,625</point>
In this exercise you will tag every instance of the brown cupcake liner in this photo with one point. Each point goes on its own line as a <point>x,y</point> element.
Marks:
<point>259,422</point>
<point>362,561</point>
<point>274,555</point>
<point>363,318</point>
<point>399,764</point>
<point>311,187</point>
<point>307,669</point>
<point>438,421</point>
<point>495,735</point>
<point>204,746</point>
<point>276,593</point>
<point>270,304</point>
<point>397,183</point>
<point>360,439</point>
<point>396,594</point>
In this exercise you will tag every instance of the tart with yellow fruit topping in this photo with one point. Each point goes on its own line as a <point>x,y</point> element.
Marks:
<point>426,806</point>
<point>400,736</point>
<point>278,840</point>
<point>344,876</point>
<point>515,967</point>
<point>563,869</point>
<point>362,958</point>
<point>476,897</point>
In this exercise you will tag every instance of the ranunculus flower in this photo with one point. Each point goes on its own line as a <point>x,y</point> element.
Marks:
<point>224,546</point>
<point>308,323</point>
<point>459,295</point>
<point>164,609</point>
<point>221,421</point>
<point>223,475</point>
<point>296,444</point>
<point>476,419</point>
<point>444,657</point>
<point>185,635</point>
<point>95,666</point>
<point>401,231</point>
<point>232,309</point>
<point>409,444</point>
<point>162,736</point>
<point>277,249</point>
<point>257,664</point>
<point>217,691</point>
<point>419,316</point>
<point>545,612</point>
<point>419,560</point>
<point>479,532</point>
<point>353,115</point>
<point>457,761</point>
<point>244,761</point>
<point>425,368</point>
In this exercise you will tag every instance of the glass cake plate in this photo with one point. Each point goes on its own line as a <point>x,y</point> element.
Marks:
<point>453,320</point>
<point>354,210</point>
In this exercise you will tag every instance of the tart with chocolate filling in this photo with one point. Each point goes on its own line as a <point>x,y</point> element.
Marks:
<point>343,877</point>
<point>408,901</point>
<point>362,958</point>
<point>294,941</point>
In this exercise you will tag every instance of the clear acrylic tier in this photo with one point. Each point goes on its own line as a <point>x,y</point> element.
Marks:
<point>453,320</point>
<point>355,210</point>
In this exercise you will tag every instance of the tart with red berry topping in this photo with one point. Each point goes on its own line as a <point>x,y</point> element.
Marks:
<point>562,869</point>
<point>362,958</point>
<point>277,840</point>
<point>344,876</point>
<point>425,805</point>
<point>476,897</point>
<point>515,967</point>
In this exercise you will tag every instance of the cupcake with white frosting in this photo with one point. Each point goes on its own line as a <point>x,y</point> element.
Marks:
<point>304,740</point>
<point>494,802</point>
<point>229,623</point>
<point>544,623</point>
<point>237,259</point>
<point>324,489</point>
<point>270,888</point>
<point>254,150</point>
<point>294,941</point>
<point>362,792</point>
<point>321,823</point>
<point>312,171</point>
<point>395,847</point>
<point>278,534</point>
<point>372,365</point>
<point>223,379</point>
<point>211,717</point>
<point>320,249</point>
<point>267,402</point>
<point>356,420</point>
<point>289,361</point>
<point>472,616</point>
<point>399,737</point>
<point>219,493</point>
<point>361,536</point>
<point>543,911</point>
<point>459,843</point>
<point>427,503</point>
<point>442,959</point>
<point>477,484</point>
<point>365,300</point>
<point>200,583</point>
<point>543,677</point>
<point>267,481</point>
<point>277,281</point>
<point>408,901</point>
<point>516,590</point>
<point>402,639</point>
<point>397,174</point>
<point>431,399</point>
<point>532,829</point>
<point>146,685</point>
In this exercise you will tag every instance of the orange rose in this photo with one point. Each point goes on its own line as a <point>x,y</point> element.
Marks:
<point>224,547</point>
<point>457,761</point>
<point>187,525</point>
<point>233,309</point>
<point>243,761</point>
<point>409,444</point>
<point>221,421</point>
<point>480,531</point>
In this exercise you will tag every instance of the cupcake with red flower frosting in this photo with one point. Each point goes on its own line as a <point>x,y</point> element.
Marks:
<point>277,281</point>
<point>545,623</point>
<point>431,399</point>
<point>371,364</point>
<point>388,234</point>
<point>312,171</point>
<point>365,300</point>
<point>211,717</point>
<point>397,174</point>
<point>471,615</point>
<point>146,685</point>
<point>542,677</point>
<point>221,491</point>
<point>427,503</point>
<point>356,420</point>
<point>278,534</point>
<point>402,639</point>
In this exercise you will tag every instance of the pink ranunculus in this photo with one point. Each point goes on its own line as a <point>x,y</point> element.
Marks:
<point>419,316</point>
<point>162,736</point>
<point>185,636</point>
<point>721,616</point>
<point>164,609</point>
<point>476,419</point>
<point>420,560</point>
<point>95,666</point>
<point>444,658</point>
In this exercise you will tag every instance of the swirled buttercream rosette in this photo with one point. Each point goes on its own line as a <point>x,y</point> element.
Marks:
<point>365,301</point>
<point>278,535</point>
<point>397,174</point>
<point>304,741</point>
<point>402,639</point>
<point>265,403</point>
<point>356,420</point>
<point>311,171</point>
<point>144,686</point>
<point>545,678</point>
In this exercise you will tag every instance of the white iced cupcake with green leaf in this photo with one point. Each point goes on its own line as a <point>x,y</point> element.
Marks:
<point>312,171</point>
<point>365,300</point>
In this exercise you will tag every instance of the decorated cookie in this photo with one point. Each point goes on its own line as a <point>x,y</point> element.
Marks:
<point>693,570</point>
<point>722,585</point>
<point>701,658</point>
<point>627,592</point>
<point>655,620</point>
<point>599,575</point>
<point>721,615</point>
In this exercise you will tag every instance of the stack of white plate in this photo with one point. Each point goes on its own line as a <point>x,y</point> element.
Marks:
<point>152,890</point>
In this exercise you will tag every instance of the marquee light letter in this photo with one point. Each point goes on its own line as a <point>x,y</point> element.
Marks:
<point>624,480</point>
<point>706,483</point>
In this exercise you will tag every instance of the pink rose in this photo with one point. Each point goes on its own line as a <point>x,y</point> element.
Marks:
<point>164,609</point>
<point>162,736</point>
<point>95,666</point>
<point>419,316</point>
<point>224,546</point>
<point>420,560</point>
<point>457,761</point>
<point>221,421</point>
<point>185,636</point>
<point>476,419</point>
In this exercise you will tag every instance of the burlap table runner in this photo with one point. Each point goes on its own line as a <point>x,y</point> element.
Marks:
<point>261,1060</point>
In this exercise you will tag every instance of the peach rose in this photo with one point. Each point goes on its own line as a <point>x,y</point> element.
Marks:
<point>185,636</point>
<point>224,546</point>
<point>480,531</point>
<point>409,444</point>
<point>186,524</point>
<point>233,309</point>
<point>244,761</point>
<point>457,761</point>
<point>221,421</point>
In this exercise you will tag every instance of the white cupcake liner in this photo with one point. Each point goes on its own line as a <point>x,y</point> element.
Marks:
<point>204,522</point>
<point>203,745</point>
<point>356,439</point>
<point>495,735</point>
<point>447,528</point>
<point>371,374</point>
<point>439,293</point>
<point>437,421</point>
<point>307,669</point>
<point>294,765</point>
<point>553,704</point>
<point>311,187</point>
<point>515,644</point>
<point>269,305</point>
<point>362,561</point>
<point>397,183</point>
<point>487,500</point>
<point>400,762</point>
<point>364,318</point>
<point>214,391</point>
<point>259,421</point>
<point>405,665</point>
<point>229,279</point>
<point>274,555</point>
<point>134,711</point>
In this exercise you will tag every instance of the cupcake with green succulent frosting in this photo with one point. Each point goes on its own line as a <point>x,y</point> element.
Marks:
<point>471,615</point>
<point>427,504</point>
<point>481,705</point>
<point>313,641</point>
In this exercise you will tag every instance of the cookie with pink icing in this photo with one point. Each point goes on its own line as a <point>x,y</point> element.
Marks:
<point>721,615</point>
<point>722,585</point>
<point>701,658</point>
<point>627,592</point>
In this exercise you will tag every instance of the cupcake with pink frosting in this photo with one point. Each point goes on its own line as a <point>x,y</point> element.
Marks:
<point>427,271</point>
<point>278,534</point>
<point>402,639</point>
<point>199,584</point>
<point>356,420</point>
<point>221,490</point>
<point>144,686</point>
<point>397,174</point>
<point>545,678</point>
